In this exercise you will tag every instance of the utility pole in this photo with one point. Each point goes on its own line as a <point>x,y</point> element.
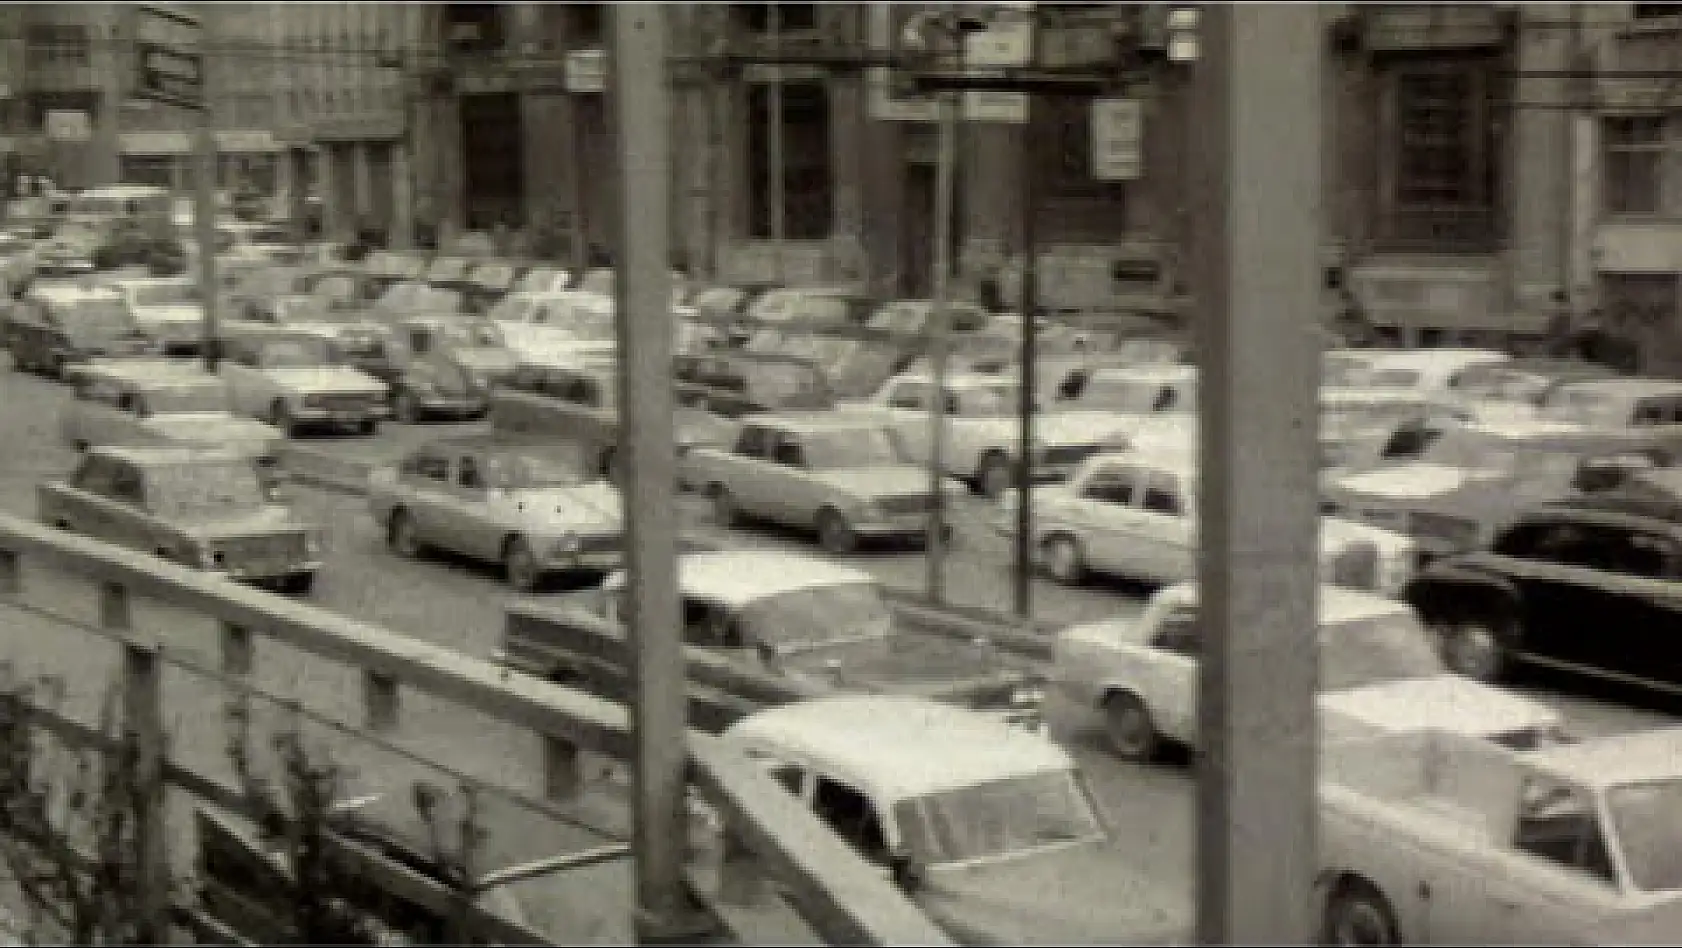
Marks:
<point>939,327</point>
<point>1024,566</point>
<point>1255,195</point>
<point>640,99</point>
<point>204,195</point>
<point>774,138</point>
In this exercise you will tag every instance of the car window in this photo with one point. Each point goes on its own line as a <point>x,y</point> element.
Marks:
<point>1162,496</point>
<point>850,814</point>
<point>708,626</point>
<point>791,777</point>
<point>1558,823</point>
<point>789,452</point>
<point>468,474</point>
<point>1178,632</point>
<point>1110,485</point>
<point>910,396</point>
<point>426,467</point>
<point>1567,544</point>
<point>94,475</point>
<point>753,442</point>
<point>1647,555</point>
<point>126,484</point>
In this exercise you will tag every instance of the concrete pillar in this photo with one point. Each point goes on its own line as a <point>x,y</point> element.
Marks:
<point>1538,160</point>
<point>334,217</point>
<point>362,182</point>
<point>847,122</point>
<point>402,233</point>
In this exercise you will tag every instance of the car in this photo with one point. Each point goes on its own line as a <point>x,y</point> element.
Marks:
<point>1430,371</point>
<point>542,280</point>
<point>1134,514</point>
<point>167,309</point>
<point>735,384</point>
<point>385,269</point>
<point>821,624</point>
<point>1379,673</point>
<point>534,507</point>
<point>569,324</point>
<point>259,241</point>
<point>408,299</point>
<point>294,380</point>
<point>156,401</point>
<point>989,828</point>
<point>204,508</point>
<point>1445,840</point>
<point>1650,405</point>
<point>489,281</point>
<point>1362,428</point>
<point>1146,389</point>
<point>982,431</point>
<point>447,366</point>
<point>358,341</point>
<point>57,325</point>
<point>845,478</point>
<point>1589,584</point>
<point>1472,477</point>
<point>1520,383</point>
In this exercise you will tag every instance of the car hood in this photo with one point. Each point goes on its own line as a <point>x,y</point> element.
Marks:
<point>1073,895</point>
<point>325,378</point>
<point>212,427</point>
<point>593,508</point>
<point>1442,703</point>
<point>169,315</point>
<point>1654,924</point>
<point>868,482</point>
<point>1080,427</point>
<point>1411,480</point>
<point>873,656</point>
<point>1338,534</point>
<point>486,361</point>
<point>272,519</point>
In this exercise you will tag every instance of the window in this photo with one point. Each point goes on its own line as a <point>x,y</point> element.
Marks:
<point>1558,823</point>
<point>754,442</point>
<point>1655,11</point>
<point>95,475</point>
<point>1437,156</point>
<point>1162,498</point>
<point>1634,161</point>
<point>468,474</point>
<point>789,452</point>
<point>426,467</point>
<point>585,26</point>
<point>791,777</point>
<point>851,815</point>
<point>1062,127</point>
<point>1647,555</point>
<point>912,397</point>
<point>807,175</point>
<point>757,17</point>
<point>1110,485</point>
<point>65,44</point>
<point>1179,633</point>
<point>1567,544</point>
<point>473,27</point>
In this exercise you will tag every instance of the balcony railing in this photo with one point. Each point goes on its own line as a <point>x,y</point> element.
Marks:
<point>1450,230</point>
<point>189,649</point>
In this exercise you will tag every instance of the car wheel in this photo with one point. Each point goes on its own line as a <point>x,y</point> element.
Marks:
<point>1474,647</point>
<point>401,537</point>
<point>835,535</point>
<point>995,476</point>
<point>725,512</point>
<point>281,417</point>
<point>1064,561</point>
<point>1358,914</point>
<point>1129,728</point>
<point>519,564</point>
<point>406,409</point>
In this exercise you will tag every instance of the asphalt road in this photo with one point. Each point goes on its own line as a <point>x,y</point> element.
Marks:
<point>460,606</point>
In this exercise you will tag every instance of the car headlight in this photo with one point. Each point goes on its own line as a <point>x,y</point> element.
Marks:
<point>566,544</point>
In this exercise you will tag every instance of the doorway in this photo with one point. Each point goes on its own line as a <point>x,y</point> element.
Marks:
<point>493,172</point>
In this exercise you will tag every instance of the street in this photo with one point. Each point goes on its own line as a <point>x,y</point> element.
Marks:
<point>460,606</point>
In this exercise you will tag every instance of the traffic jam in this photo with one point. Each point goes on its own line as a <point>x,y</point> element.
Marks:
<point>1496,531</point>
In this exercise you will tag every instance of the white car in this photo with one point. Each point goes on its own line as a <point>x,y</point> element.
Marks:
<point>1134,514</point>
<point>1428,371</point>
<point>168,309</point>
<point>982,429</point>
<point>1380,672</point>
<point>292,379</point>
<point>558,327</point>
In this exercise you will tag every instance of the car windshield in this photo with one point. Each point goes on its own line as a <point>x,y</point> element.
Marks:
<point>1471,450</point>
<point>96,318</point>
<point>204,489</point>
<point>851,448</point>
<point>557,466</point>
<point>296,352</point>
<point>185,398</point>
<point>1585,406</point>
<point>986,400</point>
<point>1374,650</point>
<point>999,819</point>
<point>165,294</point>
<point>1137,396</point>
<point>1646,827</point>
<point>819,616</point>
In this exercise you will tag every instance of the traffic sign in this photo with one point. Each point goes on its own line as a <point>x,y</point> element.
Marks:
<point>169,52</point>
<point>1117,139</point>
<point>67,126</point>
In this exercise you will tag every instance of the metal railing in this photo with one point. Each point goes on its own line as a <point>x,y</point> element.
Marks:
<point>186,645</point>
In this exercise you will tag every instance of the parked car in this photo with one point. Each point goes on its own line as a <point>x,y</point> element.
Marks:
<point>1429,371</point>
<point>1610,562</point>
<point>386,269</point>
<point>169,310</point>
<point>847,479</point>
<point>1379,673</point>
<point>536,508</point>
<point>542,280</point>
<point>733,384</point>
<point>989,828</point>
<point>293,380</point>
<point>1520,383</point>
<point>571,324</point>
<point>57,325</point>
<point>258,240</point>
<point>1445,840</point>
<point>820,624</point>
<point>205,508</point>
<point>1651,406</point>
<point>145,401</point>
<point>1134,514</point>
<point>446,366</point>
<point>358,341</point>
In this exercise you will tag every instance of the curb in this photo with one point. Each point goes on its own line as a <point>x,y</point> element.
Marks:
<point>1028,639</point>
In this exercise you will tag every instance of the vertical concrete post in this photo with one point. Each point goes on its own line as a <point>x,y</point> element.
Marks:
<point>238,651</point>
<point>144,728</point>
<point>11,573</point>
<point>1257,223</point>
<point>381,698</point>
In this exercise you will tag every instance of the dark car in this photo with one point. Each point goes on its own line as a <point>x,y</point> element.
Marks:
<point>733,383</point>
<point>1590,584</point>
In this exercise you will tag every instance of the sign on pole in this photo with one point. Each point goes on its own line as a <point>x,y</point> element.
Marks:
<point>169,51</point>
<point>64,126</point>
<point>586,70</point>
<point>1117,139</point>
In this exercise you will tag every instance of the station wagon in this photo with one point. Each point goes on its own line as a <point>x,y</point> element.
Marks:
<point>145,401</point>
<point>57,325</point>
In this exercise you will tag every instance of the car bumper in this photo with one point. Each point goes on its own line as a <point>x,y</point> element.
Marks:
<point>591,560</point>
<point>901,525</point>
<point>266,573</point>
<point>338,417</point>
<point>453,404</point>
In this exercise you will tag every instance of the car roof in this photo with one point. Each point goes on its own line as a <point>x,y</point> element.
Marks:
<point>1626,387</point>
<point>1367,395</point>
<point>168,455</point>
<point>163,371</point>
<point>962,379</point>
<point>902,746</point>
<point>1425,358</point>
<point>1148,372</point>
<point>815,420</point>
<point>1336,604</point>
<point>1169,451</point>
<point>136,282</point>
<point>1632,757</point>
<point>72,292</point>
<point>737,578</point>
